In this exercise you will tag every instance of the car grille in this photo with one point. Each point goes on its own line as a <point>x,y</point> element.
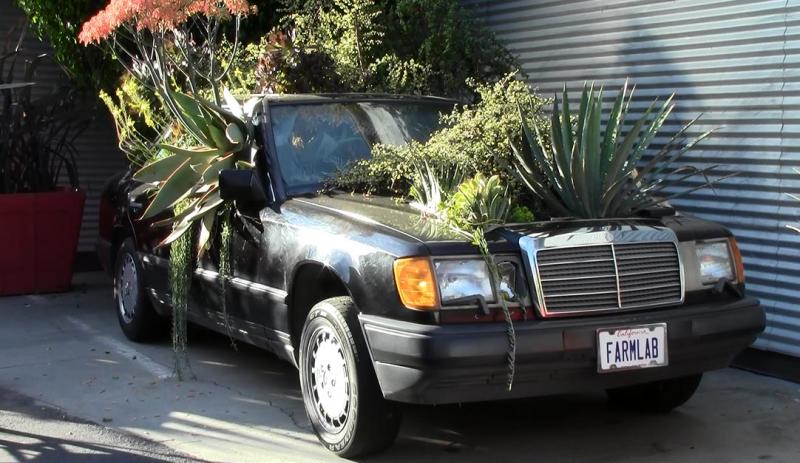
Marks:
<point>608,277</point>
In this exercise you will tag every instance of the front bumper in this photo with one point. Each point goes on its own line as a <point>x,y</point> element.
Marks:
<point>437,364</point>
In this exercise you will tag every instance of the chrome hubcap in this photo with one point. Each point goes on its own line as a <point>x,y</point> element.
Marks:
<point>127,288</point>
<point>329,383</point>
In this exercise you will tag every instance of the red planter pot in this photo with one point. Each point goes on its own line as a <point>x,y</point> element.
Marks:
<point>38,240</point>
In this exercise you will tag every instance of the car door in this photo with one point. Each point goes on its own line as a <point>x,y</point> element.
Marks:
<point>256,294</point>
<point>205,302</point>
<point>255,300</point>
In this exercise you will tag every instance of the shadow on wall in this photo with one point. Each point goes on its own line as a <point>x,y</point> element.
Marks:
<point>743,94</point>
<point>738,73</point>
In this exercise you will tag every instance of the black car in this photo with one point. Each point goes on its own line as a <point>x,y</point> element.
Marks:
<point>374,308</point>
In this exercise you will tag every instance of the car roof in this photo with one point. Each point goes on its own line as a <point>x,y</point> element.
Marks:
<point>352,97</point>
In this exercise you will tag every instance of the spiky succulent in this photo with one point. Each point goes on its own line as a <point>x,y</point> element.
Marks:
<point>587,170</point>
<point>191,175</point>
<point>479,202</point>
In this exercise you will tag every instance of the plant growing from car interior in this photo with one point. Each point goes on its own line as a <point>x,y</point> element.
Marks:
<point>473,137</point>
<point>168,46</point>
<point>582,169</point>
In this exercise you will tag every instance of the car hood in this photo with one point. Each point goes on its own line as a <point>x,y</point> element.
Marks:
<point>399,218</point>
<point>382,212</point>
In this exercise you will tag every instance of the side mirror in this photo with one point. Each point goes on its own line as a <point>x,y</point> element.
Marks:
<point>241,185</point>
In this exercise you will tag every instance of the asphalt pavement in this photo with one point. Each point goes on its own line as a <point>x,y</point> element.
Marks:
<point>73,388</point>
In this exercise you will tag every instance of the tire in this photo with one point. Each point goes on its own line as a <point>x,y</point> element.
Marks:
<point>351,419</point>
<point>136,316</point>
<point>656,397</point>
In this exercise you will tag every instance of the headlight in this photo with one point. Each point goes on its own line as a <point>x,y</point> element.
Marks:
<point>715,261</point>
<point>460,278</point>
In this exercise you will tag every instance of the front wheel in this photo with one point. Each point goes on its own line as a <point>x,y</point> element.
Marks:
<point>340,392</point>
<point>658,396</point>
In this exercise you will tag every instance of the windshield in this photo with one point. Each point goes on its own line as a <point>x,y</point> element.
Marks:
<point>314,141</point>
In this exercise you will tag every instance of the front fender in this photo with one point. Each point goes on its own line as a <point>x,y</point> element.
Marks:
<point>360,258</point>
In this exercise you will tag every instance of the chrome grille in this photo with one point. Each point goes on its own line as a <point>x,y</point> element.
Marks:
<point>608,277</point>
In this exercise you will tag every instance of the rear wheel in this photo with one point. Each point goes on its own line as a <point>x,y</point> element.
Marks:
<point>658,396</point>
<point>340,391</point>
<point>136,316</point>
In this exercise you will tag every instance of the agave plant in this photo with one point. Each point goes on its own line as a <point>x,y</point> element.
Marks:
<point>431,186</point>
<point>582,169</point>
<point>464,204</point>
<point>479,202</point>
<point>190,176</point>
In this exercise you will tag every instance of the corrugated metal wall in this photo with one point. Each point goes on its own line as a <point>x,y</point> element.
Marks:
<point>99,156</point>
<point>737,63</point>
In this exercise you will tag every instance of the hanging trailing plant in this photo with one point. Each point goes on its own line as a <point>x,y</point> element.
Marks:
<point>186,181</point>
<point>180,262</point>
<point>225,265</point>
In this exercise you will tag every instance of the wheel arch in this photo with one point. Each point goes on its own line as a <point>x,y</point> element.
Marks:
<point>325,281</point>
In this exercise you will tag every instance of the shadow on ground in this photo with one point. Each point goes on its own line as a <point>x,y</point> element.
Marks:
<point>34,432</point>
<point>733,413</point>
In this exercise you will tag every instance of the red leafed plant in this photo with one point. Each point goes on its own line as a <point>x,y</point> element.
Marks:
<point>155,15</point>
<point>165,43</point>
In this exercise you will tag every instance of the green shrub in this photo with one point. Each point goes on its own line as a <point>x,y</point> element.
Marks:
<point>277,64</point>
<point>474,137</point>
<point>140,119</point>
<point>399,46</point>
<point>445,38</point>
<point>57,23</point>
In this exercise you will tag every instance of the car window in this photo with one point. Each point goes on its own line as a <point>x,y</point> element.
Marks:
<point>314,141</point>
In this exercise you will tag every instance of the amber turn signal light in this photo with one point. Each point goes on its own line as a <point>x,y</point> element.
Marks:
<point>413,277</point>
<point>737,259</point>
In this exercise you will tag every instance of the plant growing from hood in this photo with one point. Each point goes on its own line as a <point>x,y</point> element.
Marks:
<point>167,45</point>
<point>471,208</point>
<point>582,169</point>
<point>573,166</point>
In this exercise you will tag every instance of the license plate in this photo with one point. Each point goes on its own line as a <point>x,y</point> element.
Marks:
<point>643,346</point>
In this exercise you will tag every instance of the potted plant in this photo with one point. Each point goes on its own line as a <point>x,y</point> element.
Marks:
<point>40,204</point>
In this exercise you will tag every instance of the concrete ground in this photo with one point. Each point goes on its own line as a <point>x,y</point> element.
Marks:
<point>31,431</point>
<point>67,353</point>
